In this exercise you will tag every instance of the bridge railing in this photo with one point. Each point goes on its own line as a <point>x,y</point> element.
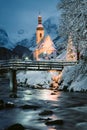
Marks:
<point>31,65</point>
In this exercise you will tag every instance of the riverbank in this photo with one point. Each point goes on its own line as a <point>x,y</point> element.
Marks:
<point>74,78</point>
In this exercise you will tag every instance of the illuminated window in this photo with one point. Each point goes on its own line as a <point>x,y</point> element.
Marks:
<point>40,34</point>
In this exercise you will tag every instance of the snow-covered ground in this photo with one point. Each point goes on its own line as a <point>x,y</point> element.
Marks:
<point>74,78</point>
<point>36,77</point>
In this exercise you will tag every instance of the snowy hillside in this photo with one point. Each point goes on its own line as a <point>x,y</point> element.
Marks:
<point>50,26</point>
<point>9,50</point>
<point>4,40</point>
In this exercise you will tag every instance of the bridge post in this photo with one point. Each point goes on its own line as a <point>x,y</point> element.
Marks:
<point>13,81</point>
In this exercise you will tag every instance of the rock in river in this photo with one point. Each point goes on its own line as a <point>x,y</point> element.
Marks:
<point>55,122</point>
<point>1,104</point>
<point>27,106</point>
<point>16,127</point>
<point>46,112</point>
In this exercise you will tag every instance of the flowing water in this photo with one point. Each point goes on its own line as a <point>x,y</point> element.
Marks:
<point>70,107</point>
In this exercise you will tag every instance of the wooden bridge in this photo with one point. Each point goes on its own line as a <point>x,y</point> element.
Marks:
<point>12,66</point>
<point>34,65</point>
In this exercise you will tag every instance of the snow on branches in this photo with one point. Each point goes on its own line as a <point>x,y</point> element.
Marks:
<point>74,19</point>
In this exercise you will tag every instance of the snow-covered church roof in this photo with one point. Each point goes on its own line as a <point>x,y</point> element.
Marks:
<point>40,26</point>
<point>47,44</point>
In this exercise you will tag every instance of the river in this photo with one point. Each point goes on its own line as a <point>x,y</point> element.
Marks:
<point>70,107</point>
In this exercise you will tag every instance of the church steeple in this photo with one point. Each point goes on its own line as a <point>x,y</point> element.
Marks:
<point>39,30</point>
<point>39,19</point>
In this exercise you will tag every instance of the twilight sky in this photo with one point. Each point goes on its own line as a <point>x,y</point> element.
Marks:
<point>19,17</point>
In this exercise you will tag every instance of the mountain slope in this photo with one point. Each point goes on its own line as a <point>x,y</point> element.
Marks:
<point>5,53</point>
<point>50,26</point>
<point>21,51</point>
<point>4,40</point>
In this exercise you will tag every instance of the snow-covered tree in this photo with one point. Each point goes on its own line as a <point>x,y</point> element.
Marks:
<point>71,51</point>
<point>74,20</point>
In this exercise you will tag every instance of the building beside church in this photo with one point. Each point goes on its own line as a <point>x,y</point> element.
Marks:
<point>45,48</point>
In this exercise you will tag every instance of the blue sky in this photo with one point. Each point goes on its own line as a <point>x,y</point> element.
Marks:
<point>19,17</point>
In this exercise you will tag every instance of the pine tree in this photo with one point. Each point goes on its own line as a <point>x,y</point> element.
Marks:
<point>71,51</point>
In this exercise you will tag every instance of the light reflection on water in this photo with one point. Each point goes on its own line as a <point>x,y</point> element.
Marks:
<point>42,94</point>
<point>47,95</point>
<point>51,128</point>
<point>38,95</point>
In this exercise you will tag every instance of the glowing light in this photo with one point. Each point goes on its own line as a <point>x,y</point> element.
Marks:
<point>71,51</point>
<point>46,95</point>
<point>26,58</point>
<point>45,45</point>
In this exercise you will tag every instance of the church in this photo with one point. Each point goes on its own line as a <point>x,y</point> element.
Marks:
<point>45,48</point>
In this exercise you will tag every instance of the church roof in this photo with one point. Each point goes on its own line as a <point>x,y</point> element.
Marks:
<point>46,43</point>
<point>40,27</point>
